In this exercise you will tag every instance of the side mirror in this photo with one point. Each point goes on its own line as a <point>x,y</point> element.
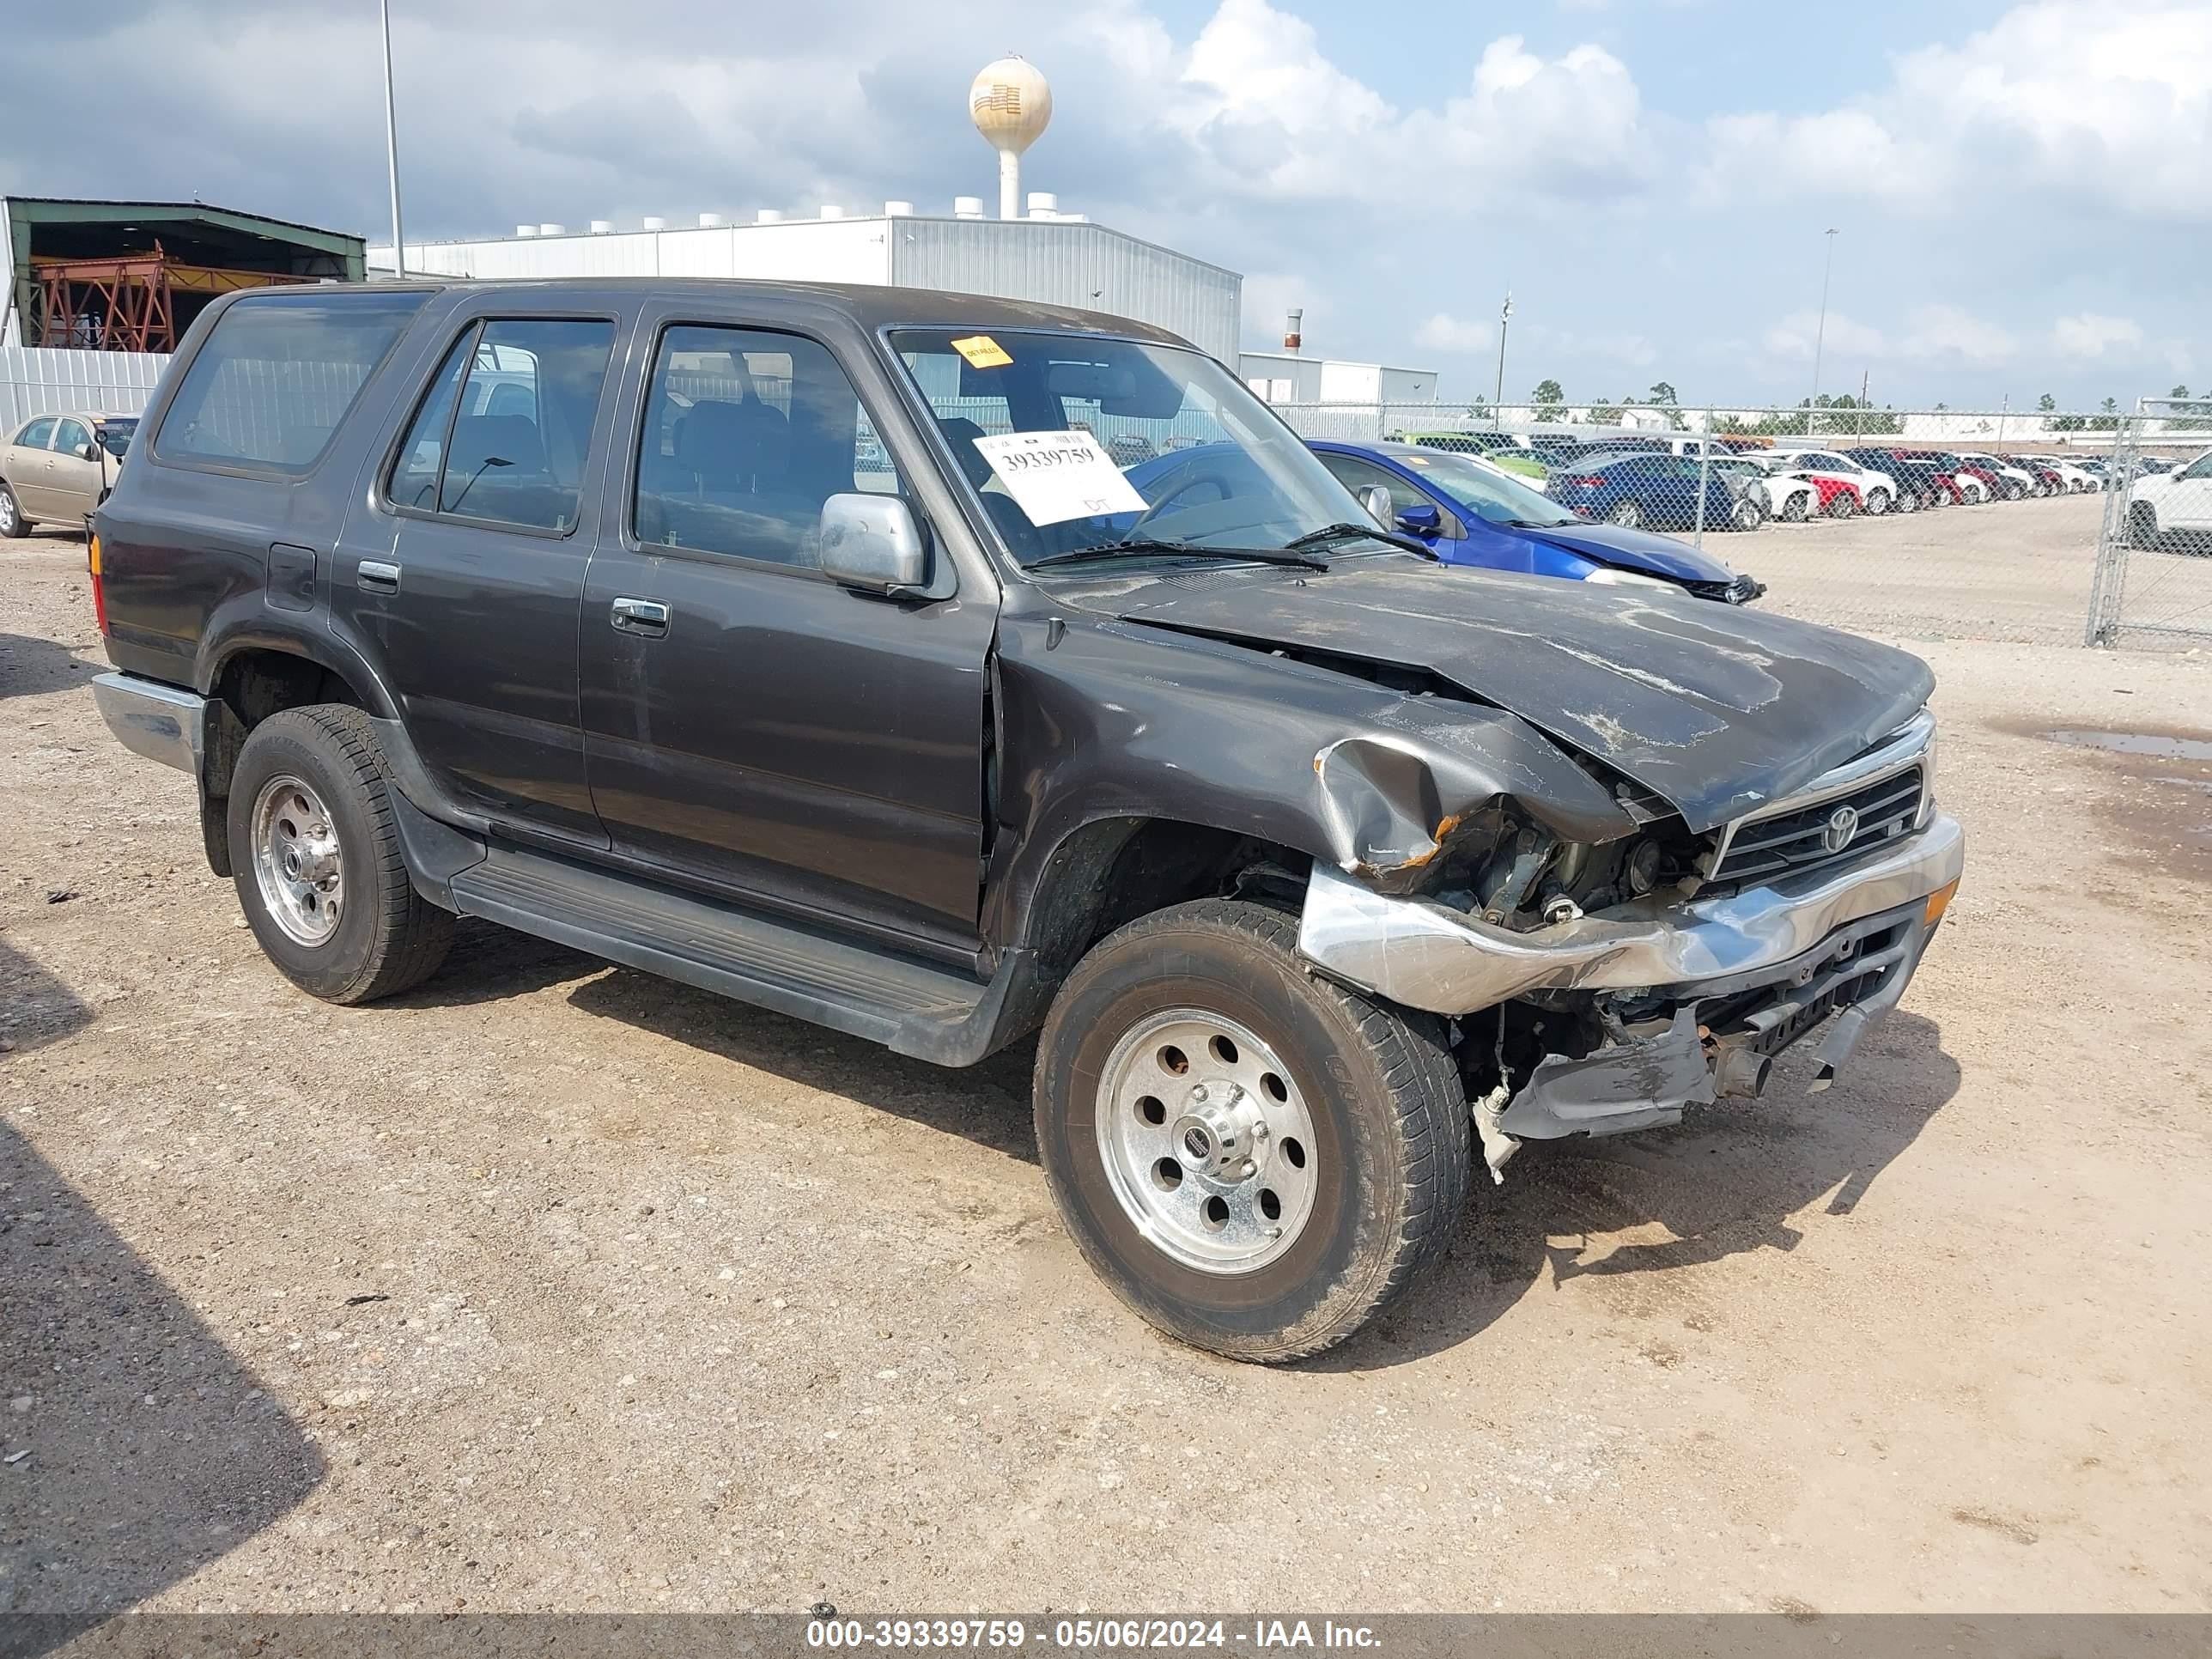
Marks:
<point>1375,498</point>
<point>1424,520</point>
<point>873,543</point>
<point>83,452</point>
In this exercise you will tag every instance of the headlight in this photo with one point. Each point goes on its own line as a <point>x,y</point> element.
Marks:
<point>1607,576</point>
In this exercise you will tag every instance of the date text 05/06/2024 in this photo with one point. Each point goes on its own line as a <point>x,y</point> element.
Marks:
<point>1088,1634</point>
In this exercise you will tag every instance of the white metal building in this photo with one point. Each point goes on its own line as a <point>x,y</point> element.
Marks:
<point>1285,377</point>
<point>1052,258</point>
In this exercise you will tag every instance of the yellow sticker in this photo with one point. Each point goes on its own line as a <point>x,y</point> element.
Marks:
<point>982,351</point>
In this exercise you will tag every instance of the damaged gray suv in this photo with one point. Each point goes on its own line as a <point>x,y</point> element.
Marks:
<point>809,645</point>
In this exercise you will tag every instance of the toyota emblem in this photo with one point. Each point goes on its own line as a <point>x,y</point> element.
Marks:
<point>1842,824</point>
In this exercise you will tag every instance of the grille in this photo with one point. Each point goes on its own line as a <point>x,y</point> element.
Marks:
<point>1796,840</point>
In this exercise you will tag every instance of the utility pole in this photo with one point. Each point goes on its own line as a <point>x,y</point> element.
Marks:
<point>1821,334</point>
<point>391,147</point>
<point>1505,317</point>
<point>1859,422</point>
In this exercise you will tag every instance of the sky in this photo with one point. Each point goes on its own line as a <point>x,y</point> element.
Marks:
<point>2020,193</point>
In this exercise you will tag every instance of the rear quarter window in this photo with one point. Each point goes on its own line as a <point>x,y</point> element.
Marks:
<point>270,386</point>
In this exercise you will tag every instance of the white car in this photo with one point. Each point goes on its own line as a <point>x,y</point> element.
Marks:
<point>2178,502</point>
<point>1779,496</point>
<point>2078,481</point>
<point>1877,491</point>
<point>2016,481</point>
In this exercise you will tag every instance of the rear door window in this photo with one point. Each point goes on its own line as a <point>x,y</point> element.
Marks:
<point>504,430</point>
<point>37,436</point>
<point>267,389</point>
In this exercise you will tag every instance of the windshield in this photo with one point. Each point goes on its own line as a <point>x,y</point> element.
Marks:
<point>1075,442</point>
<point>1495,497</point>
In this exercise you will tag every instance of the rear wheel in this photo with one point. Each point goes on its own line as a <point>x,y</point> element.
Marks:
<point>1844,504</point>
<point>1255,1159</point>
<point>1793,510</point>
<point>315,852</point>
<point>1627,514</point>
<point>13,524</point>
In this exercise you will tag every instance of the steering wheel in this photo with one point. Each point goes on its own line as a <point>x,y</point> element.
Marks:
<point>1198,475</point>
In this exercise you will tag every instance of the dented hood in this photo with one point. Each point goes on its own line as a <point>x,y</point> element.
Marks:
<point>1716,708</point>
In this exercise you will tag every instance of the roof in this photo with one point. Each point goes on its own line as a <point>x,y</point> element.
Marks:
<point>870,306</point>
<point>87,209</point>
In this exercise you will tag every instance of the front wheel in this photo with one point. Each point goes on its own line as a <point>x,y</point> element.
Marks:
<point>2142,526</point>
<point>1793,510</point>
<point>1747,514</point>
<point>315,852</point>
<point>13,524</point>
<point>1877,503</point>
<point>1627,514</point>
<point>1255,1159</point>
<point>1846,504</point>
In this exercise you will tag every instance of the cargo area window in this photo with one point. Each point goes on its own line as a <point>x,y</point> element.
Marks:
<point>267,389</point>
<point>746,434</point>
<point>503,431</point>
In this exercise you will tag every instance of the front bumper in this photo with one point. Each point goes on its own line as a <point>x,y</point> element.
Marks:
<point>1747,976</point>
<point>166,723</point>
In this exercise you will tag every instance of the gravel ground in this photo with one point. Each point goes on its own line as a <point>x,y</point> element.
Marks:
<point>552,1285</point>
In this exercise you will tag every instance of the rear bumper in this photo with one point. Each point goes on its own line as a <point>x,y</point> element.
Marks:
<point>164,723</point>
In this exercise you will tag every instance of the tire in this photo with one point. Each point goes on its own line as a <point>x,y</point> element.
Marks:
<point>387,937</point>
<point>13,524</point>
<point>2015,489</point>
<point>1907,501</point>
<point>1877,503</point>
<point>1844,504</point>
<point>1376,1195</point>
<point>1627,514</point>
<point>1747,514</point>
<point>1793,510</point>
<point>2142,525</point>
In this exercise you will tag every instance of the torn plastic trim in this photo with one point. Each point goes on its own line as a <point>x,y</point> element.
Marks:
<point>1420,954</point>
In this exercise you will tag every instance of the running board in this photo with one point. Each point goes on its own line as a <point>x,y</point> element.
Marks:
<point>911,1008</point>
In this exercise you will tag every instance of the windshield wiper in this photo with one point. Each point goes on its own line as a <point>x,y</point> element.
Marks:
<point>1337,532</point>
<point>1180,550</point>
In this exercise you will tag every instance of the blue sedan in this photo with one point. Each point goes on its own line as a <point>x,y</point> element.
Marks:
<point>1473,514</point>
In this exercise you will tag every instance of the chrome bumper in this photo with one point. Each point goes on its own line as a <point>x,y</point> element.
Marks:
<point>165,723</point>
<point>1421,955</point>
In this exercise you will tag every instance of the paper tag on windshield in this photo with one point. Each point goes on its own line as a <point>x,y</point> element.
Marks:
<point>982,351</point>
<point>1057,476</point>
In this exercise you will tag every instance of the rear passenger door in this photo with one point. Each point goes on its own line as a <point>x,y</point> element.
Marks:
<point>753,726</point>
<point>492,507</point>
<point>28,470</point>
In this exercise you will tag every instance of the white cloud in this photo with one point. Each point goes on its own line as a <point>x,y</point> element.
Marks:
<point>1443,332</point>
<point>1932,334</point>
<point>2090,335</point>
<point>2111,105</point>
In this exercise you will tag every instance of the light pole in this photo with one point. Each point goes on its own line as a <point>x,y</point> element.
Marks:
<point>391,147</point>
<point>1820,333</point>
<point>1505,317</point>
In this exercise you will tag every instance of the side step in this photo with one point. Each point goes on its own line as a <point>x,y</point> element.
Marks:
<point>911,1007</point>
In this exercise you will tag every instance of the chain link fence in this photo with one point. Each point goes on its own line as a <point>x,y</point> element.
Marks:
<point>2153,578</point>
<point>1914,524</point>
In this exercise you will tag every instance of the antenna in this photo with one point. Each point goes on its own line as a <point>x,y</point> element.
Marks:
<point>1011,104</point>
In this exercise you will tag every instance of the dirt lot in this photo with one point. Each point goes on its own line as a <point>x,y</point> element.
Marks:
<point>555,1285</point>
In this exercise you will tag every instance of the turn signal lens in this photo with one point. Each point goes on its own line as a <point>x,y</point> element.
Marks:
<point>99,591</point>
<point>1938,903</point>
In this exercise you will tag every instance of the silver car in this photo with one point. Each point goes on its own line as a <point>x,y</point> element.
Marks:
<point>57,468</point>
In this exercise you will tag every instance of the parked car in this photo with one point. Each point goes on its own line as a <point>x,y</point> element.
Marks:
<point>1311,865</point>
<point>1469,513</point>
<point>1664,491</point>
<point>1495,447</point>
<point>1835,495</point>
<point>2074,478</point>
<point>1777,495</point>
<point>1920,482</point>
<point>2007,481</point>
<point>1522,461</point>
<point>1876,489</point>
<point>58,468</point>
<point>2175,503</point>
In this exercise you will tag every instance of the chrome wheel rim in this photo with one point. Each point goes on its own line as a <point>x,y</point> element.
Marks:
<point>1626,515</point>
<point>296,860</point>
<point>6,513</point>
<point>1206,1141</point>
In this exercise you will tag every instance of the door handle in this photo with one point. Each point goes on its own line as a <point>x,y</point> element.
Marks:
<point>375,576</point>
<point>646,617</point>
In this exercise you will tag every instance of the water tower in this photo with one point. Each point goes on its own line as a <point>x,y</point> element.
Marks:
<point>1009,104</point>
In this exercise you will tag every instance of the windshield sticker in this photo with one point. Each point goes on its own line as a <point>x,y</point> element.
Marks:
<point>1055,476</point>
<point>982,351</point>
<point>1414,460</point>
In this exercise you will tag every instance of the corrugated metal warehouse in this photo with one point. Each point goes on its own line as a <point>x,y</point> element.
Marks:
<point>1056,258</point>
